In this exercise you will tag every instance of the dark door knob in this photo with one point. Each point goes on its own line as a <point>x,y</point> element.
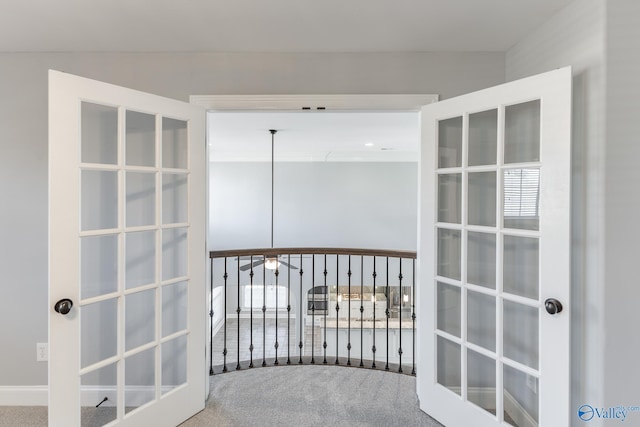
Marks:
<point>553,306</point>
<point>63,306</point>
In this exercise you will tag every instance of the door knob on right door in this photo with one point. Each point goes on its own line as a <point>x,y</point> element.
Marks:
<point>63,306</point>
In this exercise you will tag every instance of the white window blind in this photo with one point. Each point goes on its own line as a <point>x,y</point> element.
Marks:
<point>521,192</point>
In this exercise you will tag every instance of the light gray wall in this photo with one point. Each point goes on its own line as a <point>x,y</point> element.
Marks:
<point>23,145</point>
<point>317,204</point>
<point>576,36</point>
<point>622,200</point>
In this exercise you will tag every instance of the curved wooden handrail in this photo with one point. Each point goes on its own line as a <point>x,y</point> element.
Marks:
<point>270,252</point>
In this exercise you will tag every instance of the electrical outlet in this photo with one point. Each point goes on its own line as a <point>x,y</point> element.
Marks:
<point>42,352</point>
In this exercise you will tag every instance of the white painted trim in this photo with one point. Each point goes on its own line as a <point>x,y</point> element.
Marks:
<point>313,102</point>
<point>487,397</point>
<point>517,412</point>
<point>35,395</point>
<point>135,395</point>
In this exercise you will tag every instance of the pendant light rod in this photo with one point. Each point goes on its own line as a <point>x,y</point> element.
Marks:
<point>273,133</point>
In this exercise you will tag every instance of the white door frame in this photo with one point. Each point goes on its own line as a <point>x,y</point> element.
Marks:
<point>406,102</point>
<point>336,102</point>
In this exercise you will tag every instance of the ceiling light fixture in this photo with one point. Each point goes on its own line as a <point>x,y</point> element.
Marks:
<point>272,263</point>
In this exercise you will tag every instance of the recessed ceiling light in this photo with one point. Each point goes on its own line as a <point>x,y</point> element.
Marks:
<point>369,144</point>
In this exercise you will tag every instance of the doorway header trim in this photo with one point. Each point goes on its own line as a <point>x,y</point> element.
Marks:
<point>314,102</point>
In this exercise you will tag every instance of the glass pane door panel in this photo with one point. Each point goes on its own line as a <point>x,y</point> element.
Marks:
<point>139,379</point>
<point>98,332</point>
<point>174,143</point>
<point>520,398</point>
<point>140,139</point>
<point>140,309</point>
<point>99,134</point>
<point>450,143</point>
<point>481,320</point>
<point>449,307</point>
<point>522,132</point>
<point>449,252</point>
<point>520,339</point>
<point>99,199</point>
<point>174,198</point>
<point>483,138</point>
<point>481,381</point>
<point>174,363</point>
<point>174,253</point>
<point>141,199</point>
<point>521,266</point>
<point>521,200</point>
<point>99,384</point>
<point>140,259</point>
<point>449,198</point>
<point>482,199</point>
<point>481,259</point>
<point>174,308</point>
<point>98,265</point>
<point>448,364</point>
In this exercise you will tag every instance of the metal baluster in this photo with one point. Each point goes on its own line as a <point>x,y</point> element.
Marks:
<point>373,348</point>
<point>349,316</point>
<point>386,312</point>
<point>238,311</point>
<point>313,307</point>
<point>211,320</point>
<point>301,345</point>
<point>276,345</point>
<point>224,351</point>
<point>289,309</point>
<point>251,313</point>
<point>326,310</point>
<point>337,305</point>
<point>413,317</point>
<point>361,307</point>
<point>401,300</point>
<point>264,312</point>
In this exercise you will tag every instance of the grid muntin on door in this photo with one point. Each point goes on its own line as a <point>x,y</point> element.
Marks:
<point>469,152</point>
<point>134,261</point>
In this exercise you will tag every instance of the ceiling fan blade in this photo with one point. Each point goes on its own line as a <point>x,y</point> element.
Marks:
<point>254,264</point>
<point>293,267</point>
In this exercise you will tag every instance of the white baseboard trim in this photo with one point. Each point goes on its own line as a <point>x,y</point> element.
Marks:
<point>135,395</point>
<point>36,395</point>
<point>90,395</point>
<point>485,397</point>
<point>216,327</point>
<point>517,412</point>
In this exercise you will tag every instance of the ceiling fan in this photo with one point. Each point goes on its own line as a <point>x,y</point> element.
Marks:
<point>271,263</point>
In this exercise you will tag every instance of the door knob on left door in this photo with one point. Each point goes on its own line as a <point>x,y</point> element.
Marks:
<point>553,306</point>
<point>63,306</point>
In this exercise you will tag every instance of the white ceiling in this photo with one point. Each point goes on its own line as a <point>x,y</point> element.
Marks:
<point>269,26</point>
<point>314,136</point>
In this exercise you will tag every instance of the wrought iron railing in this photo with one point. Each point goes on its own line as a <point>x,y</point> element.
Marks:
<point>349,293</point>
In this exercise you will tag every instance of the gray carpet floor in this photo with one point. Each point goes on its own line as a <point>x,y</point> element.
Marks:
<point>312,396</point>
<point>298,396</point>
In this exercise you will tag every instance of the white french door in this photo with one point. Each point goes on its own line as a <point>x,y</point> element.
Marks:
<point>494,252</point>
<point>127,256</point>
